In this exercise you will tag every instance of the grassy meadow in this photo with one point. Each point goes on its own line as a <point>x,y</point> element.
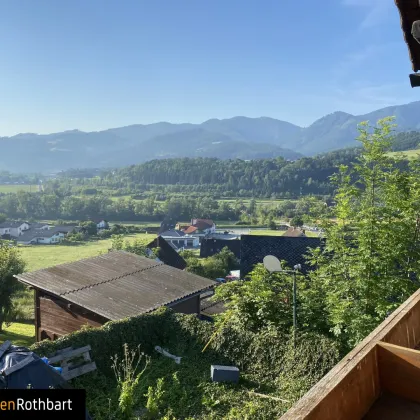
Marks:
<point>37,257</point>
<point>19,334</point>
<point>11,188</point>
<point>280,233</point>
<point>43,256</point>
<point>410,154</point>
<point>267,232</point>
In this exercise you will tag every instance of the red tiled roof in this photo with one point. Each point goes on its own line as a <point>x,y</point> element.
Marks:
<point>206,223</point>
<point>203,224</point>
<point>190,229</point>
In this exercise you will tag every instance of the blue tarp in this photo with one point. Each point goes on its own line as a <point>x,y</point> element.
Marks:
<point>37,374</point>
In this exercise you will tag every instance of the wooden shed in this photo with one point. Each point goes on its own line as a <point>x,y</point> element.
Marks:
<point>378,380</point>
<point>109,287</point>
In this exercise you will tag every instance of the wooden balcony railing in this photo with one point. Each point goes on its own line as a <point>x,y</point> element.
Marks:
<point>378,379</point>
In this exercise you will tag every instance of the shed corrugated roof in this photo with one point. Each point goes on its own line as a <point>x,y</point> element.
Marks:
<point>118,284</point>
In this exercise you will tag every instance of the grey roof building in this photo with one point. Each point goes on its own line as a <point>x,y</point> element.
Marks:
<point>290,249</point>
<point>112,286</point>
<point>33,234</point>
<point>11,224</point>
<point>172,233</point>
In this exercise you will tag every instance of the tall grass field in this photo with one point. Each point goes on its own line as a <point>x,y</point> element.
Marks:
<point>11,188</point>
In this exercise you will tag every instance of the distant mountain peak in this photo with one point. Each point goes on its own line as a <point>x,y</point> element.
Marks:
<point>236,137</point>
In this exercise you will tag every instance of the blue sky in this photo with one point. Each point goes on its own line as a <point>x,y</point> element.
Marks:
<point>95,64</point>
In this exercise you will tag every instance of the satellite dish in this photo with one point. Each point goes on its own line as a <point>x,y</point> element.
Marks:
<point>272,263</point>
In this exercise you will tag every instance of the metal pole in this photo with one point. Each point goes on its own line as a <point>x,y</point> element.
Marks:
<point>294,301</point>
<point>294,308</point>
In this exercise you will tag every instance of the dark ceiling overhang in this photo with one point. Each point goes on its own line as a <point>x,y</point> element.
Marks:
<point>410,25</point>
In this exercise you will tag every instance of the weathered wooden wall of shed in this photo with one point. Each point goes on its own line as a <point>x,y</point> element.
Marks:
<point>56,319</point>
<point>187,306</point>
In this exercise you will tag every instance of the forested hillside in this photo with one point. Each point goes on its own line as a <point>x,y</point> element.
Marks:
<point>261,177</point>
<point>183,187</point>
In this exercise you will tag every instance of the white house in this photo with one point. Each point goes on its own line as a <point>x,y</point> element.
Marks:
<point>41,236</point>
<point>179,239</point>
<point>200,228</point>
<point>14,229</point>
<point>37,225</point>
<point>205,226</point>
<point>102,224</point>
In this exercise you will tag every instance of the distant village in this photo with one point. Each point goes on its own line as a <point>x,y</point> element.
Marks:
<point>185,292</point>
<point>179,236</point>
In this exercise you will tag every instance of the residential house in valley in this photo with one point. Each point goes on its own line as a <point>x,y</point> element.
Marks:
<point>198,228</point>
<point>102,224</point>
<point>13,228</point>
<point>39,225</point>
<point>179,239</point>
<point>40,236</point>
<point>49,235</point>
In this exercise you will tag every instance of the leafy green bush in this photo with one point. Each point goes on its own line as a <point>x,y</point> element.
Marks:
<point>104,233</point>
<point>75,237</point>
<point>171,391</point>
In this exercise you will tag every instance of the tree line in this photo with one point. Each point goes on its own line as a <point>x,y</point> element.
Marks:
<point>183,188</point>
<point>277,178</point>
<point>370,263</point>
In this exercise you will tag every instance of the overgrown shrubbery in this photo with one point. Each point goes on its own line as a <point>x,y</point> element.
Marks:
<point>217,265</point>
<point>185,390</point>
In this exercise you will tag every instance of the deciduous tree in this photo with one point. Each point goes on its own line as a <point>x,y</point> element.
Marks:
<point>370,264</point>
<point>11,263</point>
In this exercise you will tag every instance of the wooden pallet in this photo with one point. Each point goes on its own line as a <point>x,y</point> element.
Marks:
<point>71,368</point>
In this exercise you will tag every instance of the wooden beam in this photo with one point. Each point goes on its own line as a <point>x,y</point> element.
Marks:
<point>415,80</point>
<point>37,316</point>
<point>74,373</point>
<point>69,354</point>
<point>399,370</point>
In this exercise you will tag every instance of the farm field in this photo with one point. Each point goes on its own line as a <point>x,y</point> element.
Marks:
<point>8,188</point>
<point>280,233</point>
<point>43,256</point>
<point>410,154</point>
<point>267,232</point>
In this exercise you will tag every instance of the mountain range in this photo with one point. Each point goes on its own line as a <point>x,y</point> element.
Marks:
<point>238,137</point>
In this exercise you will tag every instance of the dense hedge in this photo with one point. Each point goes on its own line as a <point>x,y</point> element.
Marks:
<point>267,360</point>
<point>177,332</point>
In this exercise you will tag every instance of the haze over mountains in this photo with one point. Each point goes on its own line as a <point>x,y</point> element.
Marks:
<point>238,137</point>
